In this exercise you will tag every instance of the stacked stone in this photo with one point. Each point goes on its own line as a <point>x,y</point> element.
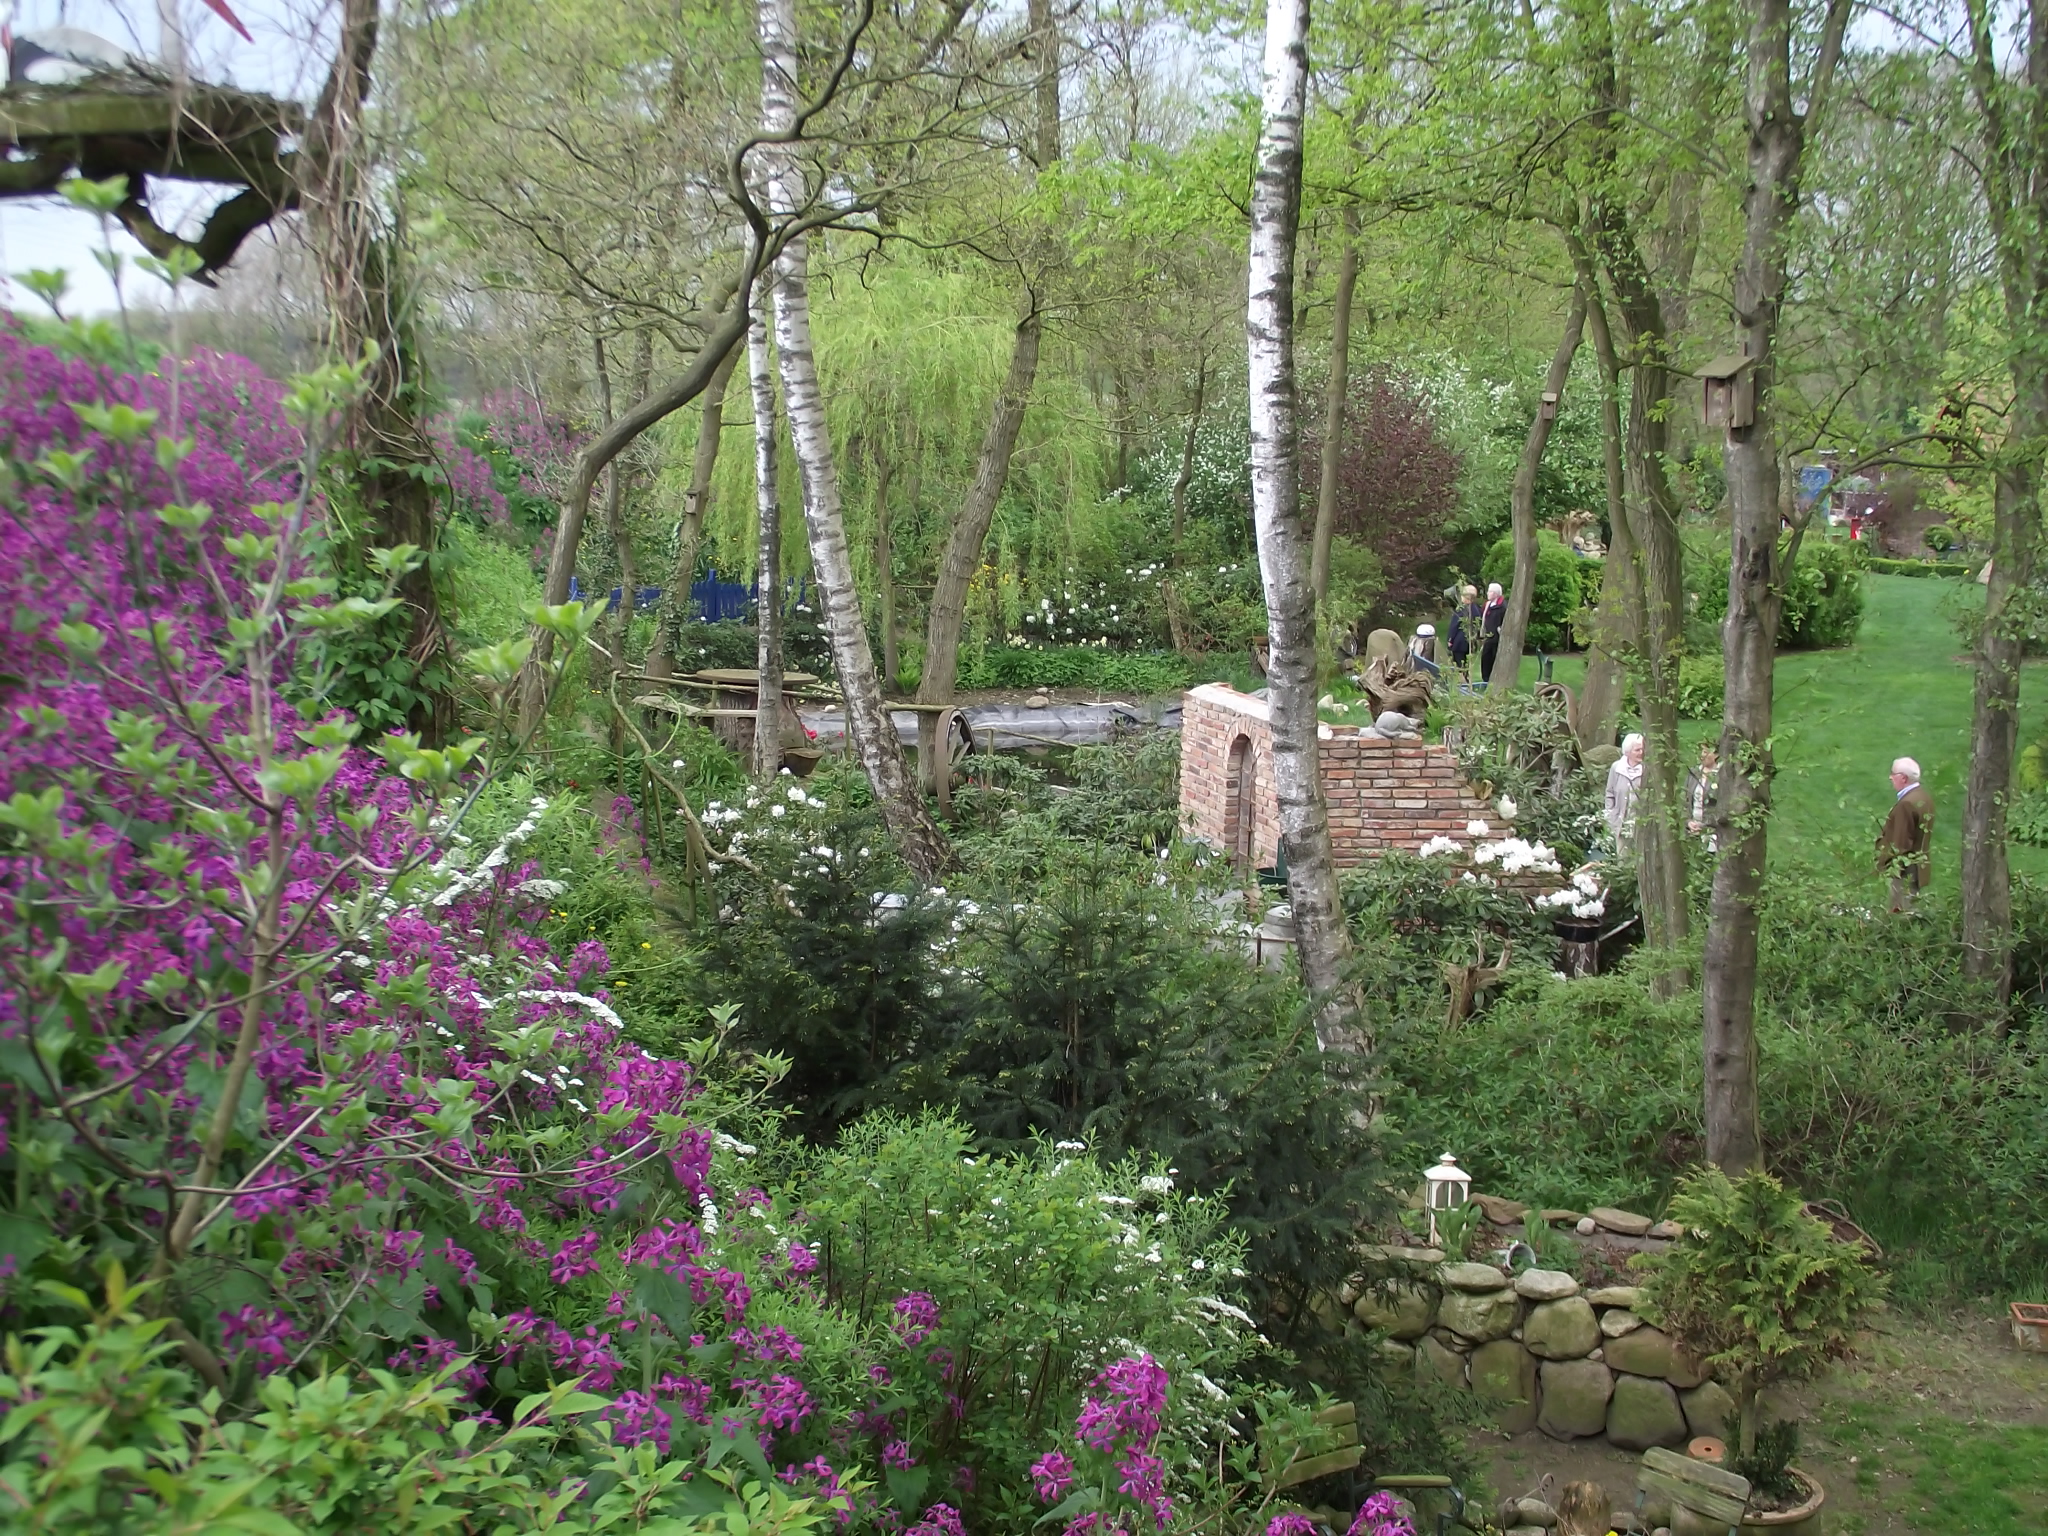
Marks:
<point>1541,1352</point>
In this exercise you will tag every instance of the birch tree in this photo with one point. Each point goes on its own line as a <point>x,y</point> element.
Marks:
<point>768,549</point>
<point>1322,940</point>
<point>869,727</point>
<point>1749,633</point>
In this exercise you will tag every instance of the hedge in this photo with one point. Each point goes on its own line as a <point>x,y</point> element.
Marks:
<point>1879,565</point>
<point>1076,666</point>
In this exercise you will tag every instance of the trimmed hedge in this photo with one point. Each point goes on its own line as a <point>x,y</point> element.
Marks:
<point>1879,565</point>
<point>1076,666</point>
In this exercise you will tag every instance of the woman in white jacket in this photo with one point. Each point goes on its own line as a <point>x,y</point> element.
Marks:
<point>1624,790</point>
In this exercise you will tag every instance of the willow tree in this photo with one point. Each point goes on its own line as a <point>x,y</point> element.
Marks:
<point>1284,539</point>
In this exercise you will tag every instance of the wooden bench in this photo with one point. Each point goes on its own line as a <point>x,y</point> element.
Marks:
<point>1341,1419</point>
<point>1709,1491</point>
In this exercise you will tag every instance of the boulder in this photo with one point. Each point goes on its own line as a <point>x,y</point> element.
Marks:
<point>1556,1216</point>
<point>1394,1255</point>
<point>1574,1398</point>
<point>1404,1311</point>
<point>1477,1316</point>
<point>1708,1407</point>
<point>1615,1295</point>
<point>1643,1351</point>
<point>1432,1359</point>
<point>1395,1357</point>
<point>1535,1512</point>
<point>1643,1413</point>
<point>1668,1231</point>
<point>1546,1284</point>
<point>1627,1223</point>
<point>1473,1277</point>
<point>1561,1330</point>
<point>1526,1530</point>
<point>1685,1371</point>
<point>1504,1378</point>
<point>1038,701</point>
<point>1587,1226</point>
<point>1616,1321</point>
<point>1502,1213</point>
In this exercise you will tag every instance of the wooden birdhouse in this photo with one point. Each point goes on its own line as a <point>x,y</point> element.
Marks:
<point>1548,409</point>
<point>1729,398</point>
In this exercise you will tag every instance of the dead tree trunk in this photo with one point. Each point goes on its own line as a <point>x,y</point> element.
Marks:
<point>1514,629</point>
<point>768,551</point>
<point>675,597</point>
<point>1322,940</point>
<point>1749,634</point>
<point>868,723</point>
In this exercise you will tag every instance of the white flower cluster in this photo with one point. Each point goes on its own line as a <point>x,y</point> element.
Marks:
<point>1440,844</point>
<point>465,882</point>
<point>1583,897</point>
<point>1518,856</point>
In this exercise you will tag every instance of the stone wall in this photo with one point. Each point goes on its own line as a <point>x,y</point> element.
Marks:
<point>1539,1350</point>
<point>1382,794</point>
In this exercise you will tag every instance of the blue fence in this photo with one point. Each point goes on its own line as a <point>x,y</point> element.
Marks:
<point>714,601</point>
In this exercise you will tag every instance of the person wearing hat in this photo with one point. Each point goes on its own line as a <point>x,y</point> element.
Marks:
<point>1422,650</point>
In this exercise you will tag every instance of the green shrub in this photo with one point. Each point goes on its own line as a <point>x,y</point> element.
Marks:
<point>1755,1289</point>
<point>1823,593</point>
<point>1560,586</point>
<point>1940,538</point>
<point>1879,565</point>
<point>1076,666</point>
<point>1702,686</point>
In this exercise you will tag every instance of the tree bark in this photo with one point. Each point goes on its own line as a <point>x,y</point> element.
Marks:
<point>719,344</point>
<point>885,571</point>
<point>947,615</point>
<point>1749,633</point>
<point>1514,629</point>
<point>675,597</point>
<point>622,550</point>
<point>1322,940</point>
<point>2013,105</point>
<point>868,724</point>
<point>1600,697</point>
<point>1185,477</point>
<point>370,312</point>
<point>1335,397</point>
<point>768,550</point>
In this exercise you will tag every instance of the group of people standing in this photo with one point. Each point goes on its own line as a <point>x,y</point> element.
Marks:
<point>1902,846</point>
<point>1475,630</point>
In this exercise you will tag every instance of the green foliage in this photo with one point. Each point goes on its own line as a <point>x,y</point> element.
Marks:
<point>1702,687</point>
<point>1823,592</point>
<point>1754,1288</point>
<point>1076,666</point>
<point>105,1436</point>
<point>489,582</point>
<point>1563,578</point>
<point>1768,1465</point>
<point>1878,565</point>
<point>1940,538</point>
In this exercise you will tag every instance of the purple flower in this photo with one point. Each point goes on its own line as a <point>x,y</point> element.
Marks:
<point>268,1335</point>
<point>1381,1515</point>
<point>1290,1525</point>
<point>896,1454</point>
<point>636,1418</point>
<point>916,1316</point>
<point>1052,1474</point>
<point>939,1520</point>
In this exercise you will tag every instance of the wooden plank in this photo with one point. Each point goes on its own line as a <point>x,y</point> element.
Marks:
<point>1339,1413</point>
<point>1703,1474</point>
<point>1703,1501</point>
<point>1411,1480</point>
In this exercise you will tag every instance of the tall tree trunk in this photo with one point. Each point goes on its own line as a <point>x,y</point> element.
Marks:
<point>621,623</point>
<point>675,597</point>
<point>369,311</point>
<point>885,570</point>
<point>2013,105</point>
<point>868,724</point>
<point>768,550</point>
<point>1335,395</point>
<point>947,615</point>
<point>1600,697</point>
<point>1514,629</point>
<point>1188,441</point>
<point>1322,940</point>
<point>1749,634</point>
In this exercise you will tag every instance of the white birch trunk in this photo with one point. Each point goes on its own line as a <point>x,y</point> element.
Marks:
<point>869,728</point>
<point>768,549</point>
<point>1322,940</point>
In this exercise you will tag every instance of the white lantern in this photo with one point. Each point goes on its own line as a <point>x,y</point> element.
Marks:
<point>1445,1188</point>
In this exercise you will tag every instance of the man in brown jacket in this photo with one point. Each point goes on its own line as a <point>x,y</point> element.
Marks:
<point>1908,834</point>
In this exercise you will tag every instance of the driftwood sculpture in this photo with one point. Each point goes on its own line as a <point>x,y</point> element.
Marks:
<point>1390,683</point>
<point>1468,981</point>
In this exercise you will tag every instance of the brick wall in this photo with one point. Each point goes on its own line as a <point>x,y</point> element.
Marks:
<point>1381,794</point>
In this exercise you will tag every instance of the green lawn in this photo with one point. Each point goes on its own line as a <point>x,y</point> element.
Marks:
<point>1939,1474</point>
<point>1842,716</point>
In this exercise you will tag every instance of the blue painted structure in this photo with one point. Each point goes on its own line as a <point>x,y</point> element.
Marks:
<point>713,601</point>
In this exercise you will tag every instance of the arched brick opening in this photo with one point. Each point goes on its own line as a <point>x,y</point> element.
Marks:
<point>1240,825</point>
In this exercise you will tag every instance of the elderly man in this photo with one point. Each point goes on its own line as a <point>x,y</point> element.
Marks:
<point>1908,834</point>
<point>1490,620</point>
